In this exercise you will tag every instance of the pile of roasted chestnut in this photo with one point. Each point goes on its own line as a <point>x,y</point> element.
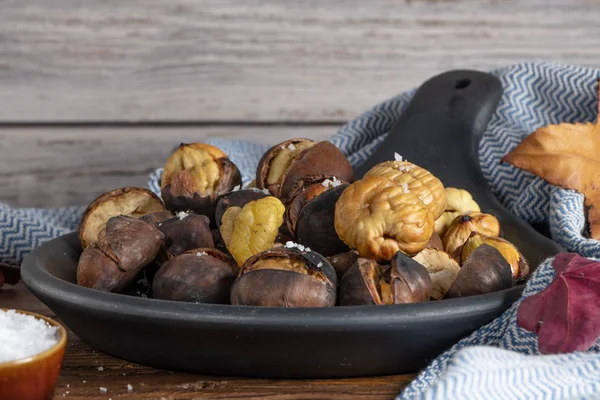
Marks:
<point>304,233</point>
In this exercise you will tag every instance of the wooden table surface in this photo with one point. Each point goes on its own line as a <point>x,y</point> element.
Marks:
<point>93,96</point>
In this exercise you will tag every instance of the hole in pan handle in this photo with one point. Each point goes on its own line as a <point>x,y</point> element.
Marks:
<point>440,130</point>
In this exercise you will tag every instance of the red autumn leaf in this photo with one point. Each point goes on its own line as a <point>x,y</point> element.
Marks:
<point>565,315</point>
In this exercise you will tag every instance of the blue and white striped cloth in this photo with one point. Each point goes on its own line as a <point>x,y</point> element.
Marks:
<point>499,360</point>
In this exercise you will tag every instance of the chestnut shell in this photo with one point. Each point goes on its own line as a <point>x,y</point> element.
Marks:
<point>191,232</point>
<point>205,205</point>
<point>285,288</point>
<point>238,198</point>
<point>98,271</point>
<point>191,278</point>
<point>485,271</point>
<point>315,227</point>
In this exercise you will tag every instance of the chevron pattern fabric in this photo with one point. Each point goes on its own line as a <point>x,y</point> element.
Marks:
<point>500,360</point>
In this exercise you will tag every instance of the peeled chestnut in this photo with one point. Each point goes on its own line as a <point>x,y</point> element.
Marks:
<point>460,230</point>
<point>369,283</point>
<point>238,198</point>
<point>186,232</point>
<point>442,270</point>
<point>201,275</point>
<point>285,277</point>
<point>194,177</point>
<point>485,271</point>
<point>132,201</point>
<point>125,246</point>
<point>253,228</point>
<point>310,213</point>
<point>283,165</point>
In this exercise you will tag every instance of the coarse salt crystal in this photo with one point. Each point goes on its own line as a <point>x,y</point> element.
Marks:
<point>68,385</point>
<point>129,387</point>
<point>405,188</point>
<point>201,253</point>
<point>291,245</point>
<point>100,368</point>
<point>291,147</point>
<point>235,189</point>
<point>23,336</point>
<point>182,214</point>
<point>319,265</point>
<point>397,157</point>
<point>103,389</point>
<point>334,182</point>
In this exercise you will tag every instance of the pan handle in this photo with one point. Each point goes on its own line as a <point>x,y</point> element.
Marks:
<point>440,130</point>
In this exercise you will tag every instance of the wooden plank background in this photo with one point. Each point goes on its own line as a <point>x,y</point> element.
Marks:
<point>216,66</point>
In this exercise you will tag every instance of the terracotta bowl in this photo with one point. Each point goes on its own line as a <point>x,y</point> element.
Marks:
<point>34,378</point>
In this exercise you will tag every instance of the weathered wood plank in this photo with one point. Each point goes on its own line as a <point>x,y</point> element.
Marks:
<point>51,167</point>
<point>263,60</point>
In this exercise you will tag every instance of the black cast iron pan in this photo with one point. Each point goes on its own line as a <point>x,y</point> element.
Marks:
<point>440,130</point>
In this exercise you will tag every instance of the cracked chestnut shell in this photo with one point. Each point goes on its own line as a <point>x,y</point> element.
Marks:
<point>186,232</point>
<point>194,177</point>
<point>238,198</point>
<point>285,277</point>
<point>310,214</point>
<point>203,275</point>
<point>369,283</point>
<point>284,164</point>
<point>124,248</point>
<point>128,200</point>
<point>252,229</point>
<point>342,262</point>
<point>485,271</point>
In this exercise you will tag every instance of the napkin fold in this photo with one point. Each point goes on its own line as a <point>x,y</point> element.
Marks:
<point>499,360</point>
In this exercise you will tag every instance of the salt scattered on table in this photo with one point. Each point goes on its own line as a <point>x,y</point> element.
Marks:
<point>100,368</point>
<point>23,336</point>
<point>103,389</point>
<point>129,387</point>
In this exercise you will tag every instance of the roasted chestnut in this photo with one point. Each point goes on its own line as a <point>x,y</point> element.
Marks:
<point>518,263</point>
<point>201,275</point>
<point>442,269</point>
<point>310,213</point>
<point>342,262</point>
<point>185,232</point>
<point>252,229</point>
<point>238,198</point>
<point>128,200</point>
<point>369,283</point>
<point>125,246</point>
<point>157,217</point>
<point>485,271</point>
<point>460,230</point>
<point>284,164</point>
<point>285,277</point>
<point>194,177</point>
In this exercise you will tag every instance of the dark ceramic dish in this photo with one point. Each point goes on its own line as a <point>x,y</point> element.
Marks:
<point>440,130</point>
